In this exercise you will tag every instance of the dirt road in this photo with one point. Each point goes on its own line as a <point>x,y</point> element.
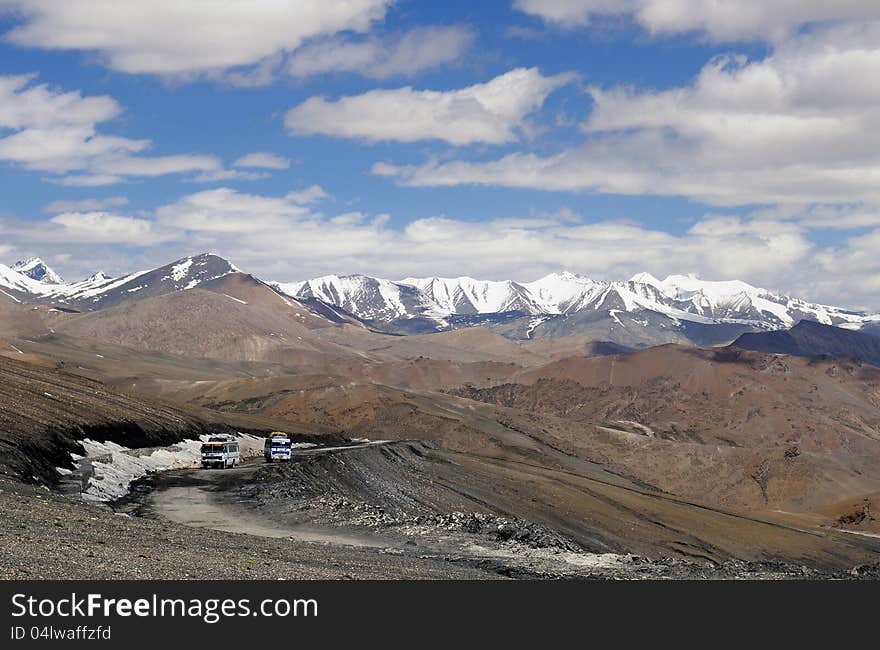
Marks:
<point>210,498</point>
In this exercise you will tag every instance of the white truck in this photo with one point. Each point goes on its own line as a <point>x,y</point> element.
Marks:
<point>277,447</point>
<point>220,451</point>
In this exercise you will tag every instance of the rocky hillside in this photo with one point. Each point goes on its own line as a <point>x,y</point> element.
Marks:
<point>44,412</point>
<point>735,428</point>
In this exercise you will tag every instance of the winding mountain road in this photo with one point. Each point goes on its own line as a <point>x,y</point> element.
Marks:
<point>212,498</point>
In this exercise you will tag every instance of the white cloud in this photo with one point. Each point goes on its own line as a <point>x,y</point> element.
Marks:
<point>157,165</point>
<point>226,211</point>
<point>170,37</point>
<point>49,130</point>
<point>262,160</point>
<point>573,12</point>
<point>261,74</point>
<point>55,131</point>
<point>311,194</point>
<point>85,205</point>
<point>720,20</point>
<point>491,112</point>
<point>86,180</point>
<point>103,228</point>
<point>800,126</point>
<point>23,105</point>
<point>222,175</point>
<point>828,217</point>
<point>380,58</point>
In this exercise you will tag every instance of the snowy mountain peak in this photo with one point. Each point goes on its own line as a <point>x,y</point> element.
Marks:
<point>217,259</point>
<point>367,297</point>
<point>38,270</point>
<point>464,295</point>
<point>189,272</point>
<point>645,278</point>
<point>691,283</point>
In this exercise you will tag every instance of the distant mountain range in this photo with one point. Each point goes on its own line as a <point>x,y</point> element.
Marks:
<point>563,302</point>
<point>638,312</point>
<point>811,339</point>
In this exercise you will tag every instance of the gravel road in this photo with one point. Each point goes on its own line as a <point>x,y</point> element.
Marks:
<point>47,536</point>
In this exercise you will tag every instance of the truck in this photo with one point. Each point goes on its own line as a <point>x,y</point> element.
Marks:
<point>221,452</point>
<point>277,447</point>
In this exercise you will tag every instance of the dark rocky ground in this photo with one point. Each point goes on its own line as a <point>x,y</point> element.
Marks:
<point>47,536</point>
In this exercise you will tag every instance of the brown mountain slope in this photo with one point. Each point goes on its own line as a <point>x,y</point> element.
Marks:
<point>45,411</point>
<point>483,342</point>
<point>214,324</point>
<point>239,318</point>
<point>741,429</point>
<point>18,320</point>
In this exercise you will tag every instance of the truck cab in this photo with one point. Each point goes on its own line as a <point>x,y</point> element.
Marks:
<point>277,447</point>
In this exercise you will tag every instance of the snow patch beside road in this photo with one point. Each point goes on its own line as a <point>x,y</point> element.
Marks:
<point>114,467</point>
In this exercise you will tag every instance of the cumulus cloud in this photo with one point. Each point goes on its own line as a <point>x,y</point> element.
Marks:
<point>50,130</point>
<point>23,105</point>
<point>727,20</point>
<point>226,211</point>
<point>103,228</point>
<point>311,194</point>
<point>108,228</point>
<point>799,127</point>
<point>262,160</point>
<point>490,112</point>
<point>169,37</point>
<point>379,57</point>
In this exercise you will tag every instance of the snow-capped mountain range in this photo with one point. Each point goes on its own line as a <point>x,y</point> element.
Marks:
<point>679,297</point>
<point>99,291</point>
<point>555,305</point>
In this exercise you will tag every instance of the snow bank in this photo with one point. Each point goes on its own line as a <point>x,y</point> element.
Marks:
<point>115,467</point>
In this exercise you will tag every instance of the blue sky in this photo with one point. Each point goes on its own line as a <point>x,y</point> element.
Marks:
<point>502,139</point>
